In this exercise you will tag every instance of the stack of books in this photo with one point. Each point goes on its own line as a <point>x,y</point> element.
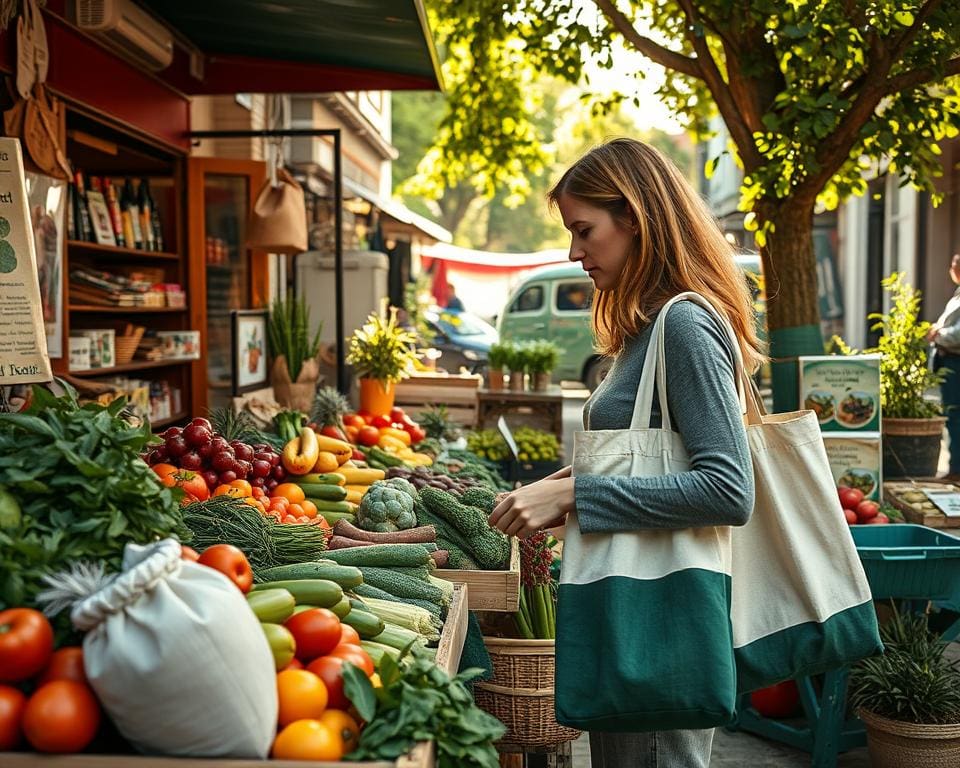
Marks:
<point>88,286</point>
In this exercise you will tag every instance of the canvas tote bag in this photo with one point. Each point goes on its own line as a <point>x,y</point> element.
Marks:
<point>801,602</point>
<point>643,618</point>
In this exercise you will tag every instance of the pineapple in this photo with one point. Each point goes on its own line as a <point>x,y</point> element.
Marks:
<point>329,406</point>
<point>234,425</point>
<point>437,424</point>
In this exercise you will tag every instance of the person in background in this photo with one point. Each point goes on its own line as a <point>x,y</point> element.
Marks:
<point>945,335</point>
<point>453,301</point>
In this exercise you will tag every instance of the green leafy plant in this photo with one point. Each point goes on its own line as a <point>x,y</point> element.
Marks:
<point>382,349</point>
<point>912,681</point>
<point>518,358</point>
<point>542,356</point>
<point>418,701</point>
<point>289,331</point>
<point>437,424</point>
<point>904,374</point>
<point>498,355</point>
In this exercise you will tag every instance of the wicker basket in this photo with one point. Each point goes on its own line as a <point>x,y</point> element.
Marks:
<point>520,694</point>
<point>126,345</point>
<point>895,744</point>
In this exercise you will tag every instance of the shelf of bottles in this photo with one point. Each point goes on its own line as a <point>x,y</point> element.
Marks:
<point>110,214</point>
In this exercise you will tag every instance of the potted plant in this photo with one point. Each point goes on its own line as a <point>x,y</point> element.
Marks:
<point>909,698</point>
<point>912,424</point>
<point>382,352</point>
<point>543,358</point>
<point>295,369</point>
<point>517,359</point>
<point>497,358</point>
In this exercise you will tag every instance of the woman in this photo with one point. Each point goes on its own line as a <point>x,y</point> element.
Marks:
<point>945,335</point>
<point>643,235</point>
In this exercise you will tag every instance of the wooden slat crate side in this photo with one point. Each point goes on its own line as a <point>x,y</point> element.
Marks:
<point>932,518</point>
<point>491,590</point>
<point>450,647</point>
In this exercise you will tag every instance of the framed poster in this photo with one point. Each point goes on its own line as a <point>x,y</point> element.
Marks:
<point>843,390</point>
<point>249,349</point>
<point>856,462</point>
<point>47,199</point>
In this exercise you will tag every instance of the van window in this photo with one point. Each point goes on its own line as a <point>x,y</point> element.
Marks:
<point>530,300</point>
<point>574,296</point>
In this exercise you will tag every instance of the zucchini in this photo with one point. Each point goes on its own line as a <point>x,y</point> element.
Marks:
<point>397,583</point>
<point>343,575</point>
<point>342,608</point>
<point>334,517</point>
<point>302,608</point>
<point>398,637</point>
<point>368,625</point>
<point>325,478</point>
<point>376,651</point>
<point>273,606</point>
<point>387,555</point>
<point>326,505</point>
<point>318,592</point>
<point>282,644</point>
<point>323,491</point>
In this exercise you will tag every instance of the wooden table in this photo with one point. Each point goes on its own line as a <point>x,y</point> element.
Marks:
<point>548,405</point>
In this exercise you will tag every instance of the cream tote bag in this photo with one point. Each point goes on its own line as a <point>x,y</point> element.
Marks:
<point>643,630</point>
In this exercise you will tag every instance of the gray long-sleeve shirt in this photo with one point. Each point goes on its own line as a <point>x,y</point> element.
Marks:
<point>704,408</point>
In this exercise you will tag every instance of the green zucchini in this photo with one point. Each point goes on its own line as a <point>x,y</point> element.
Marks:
<point>282,644</point>
<point>344,575</point>
<point>324,491</point>
<point>340,507</point>
<point>302,608</point>
<point>321,593</point>
<point>387,555</point>
<point>368,625</point>
<point>325,478</point>
<point>398,637</point>
<point>376,651</point>
<point>342,608</point>
<point>273,606</point>
<point>332,517</point>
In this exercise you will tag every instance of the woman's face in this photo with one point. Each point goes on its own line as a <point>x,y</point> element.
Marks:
<point>955,268</point>
<point>598,243</point>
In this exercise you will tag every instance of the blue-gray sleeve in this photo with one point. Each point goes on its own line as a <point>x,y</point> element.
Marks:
<point>718,488</point>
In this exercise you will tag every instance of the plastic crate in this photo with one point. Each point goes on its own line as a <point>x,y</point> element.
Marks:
<point>909,561</point>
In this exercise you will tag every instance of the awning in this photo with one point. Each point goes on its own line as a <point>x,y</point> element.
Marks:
<point>299,46</point>
<point>397,211</point>
<point>494,260</point>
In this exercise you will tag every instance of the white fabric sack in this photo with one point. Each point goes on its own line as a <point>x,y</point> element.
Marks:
<point>178,659</point>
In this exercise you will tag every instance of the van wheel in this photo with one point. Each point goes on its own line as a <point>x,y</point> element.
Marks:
<point>597,371</point>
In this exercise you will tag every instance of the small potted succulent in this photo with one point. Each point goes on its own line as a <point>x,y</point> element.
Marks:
<point>497,358</point>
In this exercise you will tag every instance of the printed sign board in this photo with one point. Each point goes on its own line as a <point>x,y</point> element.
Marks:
<point>843,390</point>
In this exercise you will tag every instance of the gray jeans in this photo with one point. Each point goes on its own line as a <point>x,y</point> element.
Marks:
<point>657,749</point>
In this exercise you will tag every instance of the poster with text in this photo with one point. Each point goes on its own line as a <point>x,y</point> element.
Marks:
<point>856,462</point>
<point>47,198</point>
<point>843,390</point>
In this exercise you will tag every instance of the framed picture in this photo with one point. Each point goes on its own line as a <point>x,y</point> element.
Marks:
<point>100,218</point>
<point>249,349</point>
<point>47,198</point>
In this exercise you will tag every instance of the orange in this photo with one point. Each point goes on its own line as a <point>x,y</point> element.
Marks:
<point>308,740</point>
<point>326,462</point>
<point>291,492</point>
<point>309,508</point>
<point>345,726</point>
<point>301,695</point>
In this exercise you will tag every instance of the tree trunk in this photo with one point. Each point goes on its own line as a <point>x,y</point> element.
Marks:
<point>793,311</point>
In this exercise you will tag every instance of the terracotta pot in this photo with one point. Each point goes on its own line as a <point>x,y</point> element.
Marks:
<point>517,381</point>
<point>541,381</point>
<point>376,397</point>
<point>495,379</point>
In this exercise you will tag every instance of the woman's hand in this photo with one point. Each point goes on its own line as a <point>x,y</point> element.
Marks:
<point>544,504</point>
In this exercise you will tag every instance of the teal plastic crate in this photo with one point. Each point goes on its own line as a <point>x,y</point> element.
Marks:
<point>910,562</point>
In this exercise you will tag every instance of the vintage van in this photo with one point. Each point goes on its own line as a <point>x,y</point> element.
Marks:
<point>553,303</point>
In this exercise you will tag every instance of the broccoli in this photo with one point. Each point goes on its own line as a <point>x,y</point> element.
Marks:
<point>479,497</point>
<point>471,531</point>
<point>386,508</point>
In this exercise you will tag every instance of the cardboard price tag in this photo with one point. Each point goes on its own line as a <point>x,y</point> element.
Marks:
<point>947,502</point>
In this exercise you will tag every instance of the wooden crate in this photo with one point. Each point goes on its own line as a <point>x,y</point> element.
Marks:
<point>490,590</point>
<point>424,390</point>
<point>932,518</point>
<point>421,756</point>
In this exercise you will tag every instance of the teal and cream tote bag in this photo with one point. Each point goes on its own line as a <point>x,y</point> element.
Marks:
<point>644,640</point>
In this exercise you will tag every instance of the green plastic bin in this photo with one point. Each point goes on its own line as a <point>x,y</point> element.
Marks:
<point>909,562</point>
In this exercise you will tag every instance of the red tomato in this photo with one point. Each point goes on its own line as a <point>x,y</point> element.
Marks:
<point>850,497</point>
<point>780,700</point>
<point>851,516</point>
<point>356,656</point>
<point>368,436</point>
<point>354,420</point>
<point>231,562</point>
<point>381,422</point>
<point>351,433</point>
<point>26,642</point>
<point>189,553</point>
<point>295,663</point>
<point>880,519</point>
<point>65,664</point>
<point>333,431</point>
<point>12,704</point>
<point>416,434</point>
<point>191,482</point>
<point>867,510</point>
<point>62,716</point>
<point>358,455</point>
<point>317,632</point>
<point>397,414</point>
<point>348,635</point>
<point>330,670</point>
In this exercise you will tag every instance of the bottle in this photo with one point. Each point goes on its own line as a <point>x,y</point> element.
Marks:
<point>156,225</point>
<point>71,212</point>
<point>131,215</point>
<point>116,218</point>
<point>82,215</point>
<point>145,204</point>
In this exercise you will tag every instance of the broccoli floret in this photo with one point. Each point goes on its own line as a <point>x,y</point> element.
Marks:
<point>386,508</point>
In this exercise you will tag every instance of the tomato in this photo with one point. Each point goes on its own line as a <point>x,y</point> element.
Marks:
<point>345,726</point>
<point>231,562</point>
<point>317,632</point>
<point>291,492</point>
<point>380,422</point>
<point>244,486</point>
<point>356,656</point>
<point>189,553</point>
<point>780,700</point>
<point>348,636</point>
<point>851,516</point>
<point>867,510</point>
<point>226,489</point>
<point>368,436</point>
<point>353,420</point>
<point>26,642</point>
<point>163,470</point>
<point>330,670</point>
<point>12,704</point>
<point>308,740</point>
<point>880,519</point>
<point>358,455</point>
<point>295,663</point>
<point>351,433</point>
<point>331,430</point>
<point>191,482</point>
<point>65,664</point>
<point>397,414</point>
<point>301,694</point>
<point>62,716</point>
<point>417,434</point>
<point>850,497</point>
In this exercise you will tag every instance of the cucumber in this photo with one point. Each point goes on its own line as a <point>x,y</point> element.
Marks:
<point>325,478</point>
<point>367,625</point>
<point>333,517</point>
<point>344,575</point>
<point>273,606</point>
<point>302,608</point>
<point>342,608</point>
<point>318,592</point>
<point>282,644</point>
<point>376,651</point>
<point>387,555</point>
<point>340,507</point>
<point>323,491</point>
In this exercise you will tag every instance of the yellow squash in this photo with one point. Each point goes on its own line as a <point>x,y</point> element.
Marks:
<point>300,454</point>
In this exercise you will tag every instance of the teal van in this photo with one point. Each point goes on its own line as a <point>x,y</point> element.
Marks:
<point>553,303</point>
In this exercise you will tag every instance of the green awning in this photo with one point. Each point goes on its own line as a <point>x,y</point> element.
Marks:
<point>300,46</point>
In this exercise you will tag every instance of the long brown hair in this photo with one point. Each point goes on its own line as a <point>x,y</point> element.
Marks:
<point>678,246</point>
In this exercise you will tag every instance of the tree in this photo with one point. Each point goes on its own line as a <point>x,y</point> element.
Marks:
<point>812,92</point>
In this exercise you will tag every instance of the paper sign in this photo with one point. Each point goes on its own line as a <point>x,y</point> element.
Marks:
<point>508,437</point>
<point>843,390</point>
<point>855,462</point>
<point>23,338</point>
<point>947,502</point>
